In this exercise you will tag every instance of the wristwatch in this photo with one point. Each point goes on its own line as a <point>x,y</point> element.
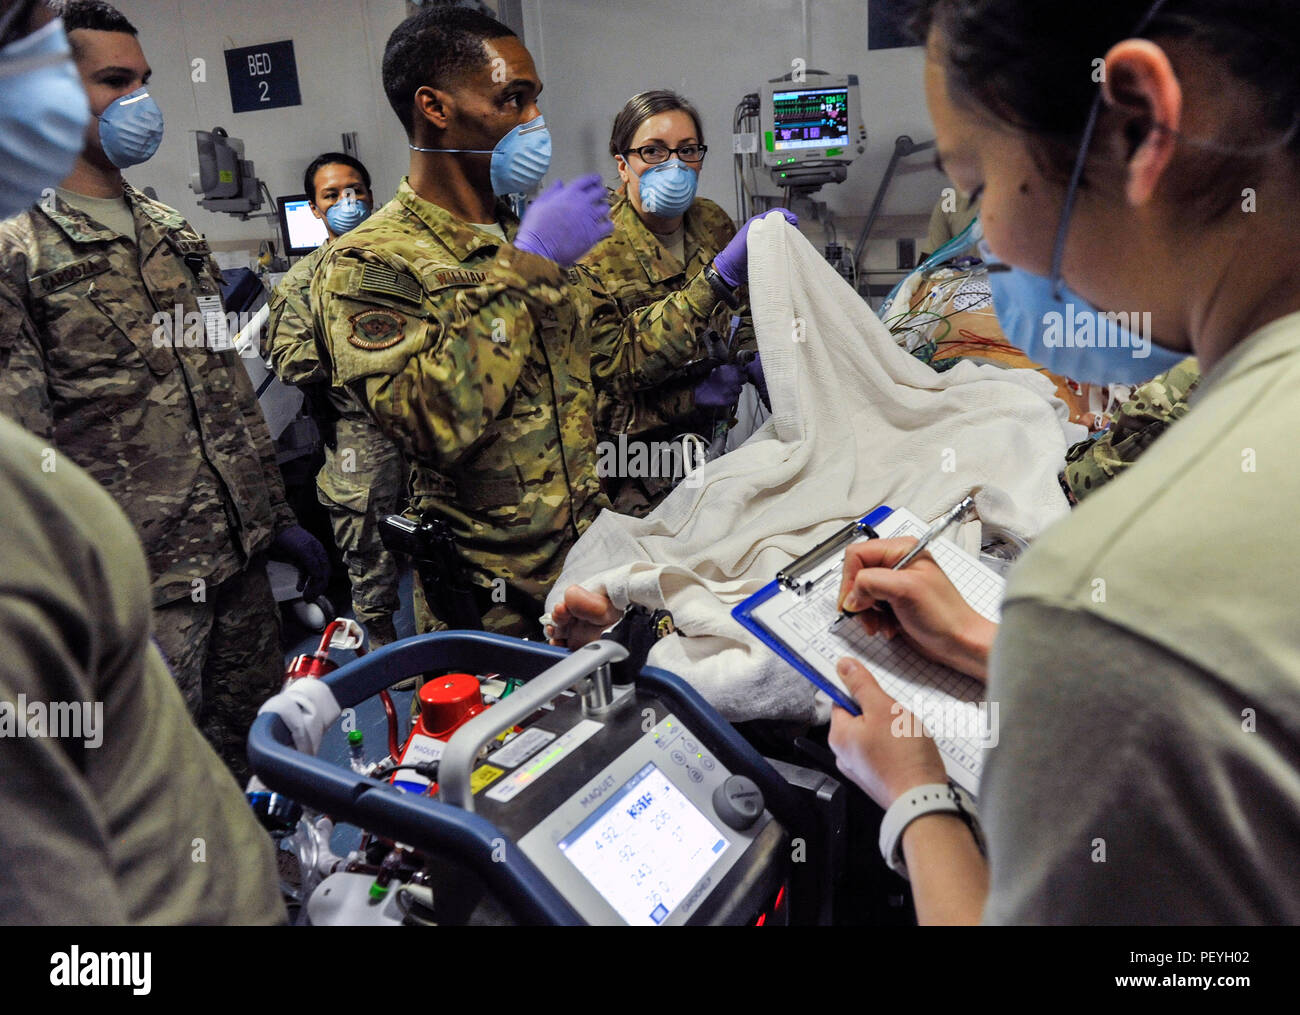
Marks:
<point>720,288</point>
<point>932,798</point>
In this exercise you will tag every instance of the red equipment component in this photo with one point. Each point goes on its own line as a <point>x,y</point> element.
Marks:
<point>446,704</point>
<point>318,664</point>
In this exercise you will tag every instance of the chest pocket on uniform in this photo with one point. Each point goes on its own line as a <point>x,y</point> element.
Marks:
<point>152,336</point>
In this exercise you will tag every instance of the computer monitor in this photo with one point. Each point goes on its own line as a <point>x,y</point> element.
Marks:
<point>303,232</point>
<point>812,120</point>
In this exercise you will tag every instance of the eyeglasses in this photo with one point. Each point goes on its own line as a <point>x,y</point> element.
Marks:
<point>653,154</point>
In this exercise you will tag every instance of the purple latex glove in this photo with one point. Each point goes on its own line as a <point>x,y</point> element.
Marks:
<point>732,262</point>
<point>721,389</point>
<point>296,546</point>
<point>566,220</point>
<point>754,374</point>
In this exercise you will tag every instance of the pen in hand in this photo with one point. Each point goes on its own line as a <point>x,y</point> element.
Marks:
<point>940,526</point>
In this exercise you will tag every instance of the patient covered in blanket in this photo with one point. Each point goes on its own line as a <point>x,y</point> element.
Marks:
<point>857,421</point>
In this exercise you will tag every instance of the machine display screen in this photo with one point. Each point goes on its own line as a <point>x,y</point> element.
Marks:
<point>645,848</point>
<point>303,230</point>
<point>815,118</point>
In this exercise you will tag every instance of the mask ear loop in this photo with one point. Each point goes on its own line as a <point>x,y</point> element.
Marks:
<point>1076,177</point>
<point>1254,151</point>
<point>1250,152</point>
<point>453,151</point>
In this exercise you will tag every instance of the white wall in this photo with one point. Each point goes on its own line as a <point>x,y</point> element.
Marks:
<point>592,55</point>
<point>338,47</point>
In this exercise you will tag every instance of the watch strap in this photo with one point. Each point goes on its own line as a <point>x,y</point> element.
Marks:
<point>720,288</point>
<point>932,798</point>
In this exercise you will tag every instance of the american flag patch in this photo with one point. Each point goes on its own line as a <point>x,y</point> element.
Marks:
<point>384,281</point>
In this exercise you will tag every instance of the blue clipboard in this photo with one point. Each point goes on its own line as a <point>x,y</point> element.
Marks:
<point>864,528</point>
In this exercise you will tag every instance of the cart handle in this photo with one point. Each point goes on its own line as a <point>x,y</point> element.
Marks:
<point>462,749</point>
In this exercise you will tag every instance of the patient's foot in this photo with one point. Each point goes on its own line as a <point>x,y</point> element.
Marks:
<point>581,617</point>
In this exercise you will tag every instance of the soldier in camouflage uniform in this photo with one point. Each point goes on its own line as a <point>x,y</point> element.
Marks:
<point>364,476</point>
<point>476,355</point>
<point>106,354</point>
<point>1145,416</point>
<point>649,258</point>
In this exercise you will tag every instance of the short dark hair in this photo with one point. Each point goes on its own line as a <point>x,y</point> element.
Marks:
<point>430,48</point>
<point>996,61</point>
<point>93,14</point>
<point>330,159</point>
<point>640,108</point>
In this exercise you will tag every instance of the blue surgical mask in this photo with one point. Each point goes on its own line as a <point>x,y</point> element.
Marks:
<point>519,160</point>
<point>131,129</point>
<point>346,213</point>
<point>43,116</point>
<point>1068,335</point>
<point>668,189</point>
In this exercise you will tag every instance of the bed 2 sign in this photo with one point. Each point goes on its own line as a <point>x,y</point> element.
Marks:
<point>263,77</point>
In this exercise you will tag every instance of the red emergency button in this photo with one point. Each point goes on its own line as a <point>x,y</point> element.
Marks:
<point>449,700</point>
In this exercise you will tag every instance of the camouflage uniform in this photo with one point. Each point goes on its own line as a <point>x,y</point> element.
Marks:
<point>948,225</point>
<point>171,429</point>
<point>636,270</point>
<point>479,360</point>
<point>364,477</point>
<point>1144,417</point>
<point>105,834</point>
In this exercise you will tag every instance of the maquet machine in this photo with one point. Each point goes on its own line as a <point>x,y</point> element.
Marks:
<point>584,795</point>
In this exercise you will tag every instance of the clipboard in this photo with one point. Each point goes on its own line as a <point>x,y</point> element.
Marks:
<point>788,578</point>
<point>792,616</point>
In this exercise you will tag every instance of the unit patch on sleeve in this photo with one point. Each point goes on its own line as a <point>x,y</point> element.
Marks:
<point>376,329</point>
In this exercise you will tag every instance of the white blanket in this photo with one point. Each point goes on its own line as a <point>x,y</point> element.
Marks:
<point>856,423</point>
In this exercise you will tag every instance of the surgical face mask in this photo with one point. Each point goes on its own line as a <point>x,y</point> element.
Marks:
<point>43,116</point>
<point>519,160</point>
<point>346,213</point>
<point>668,189</point>
<point>131,129</point>
<point>1068,335</point>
